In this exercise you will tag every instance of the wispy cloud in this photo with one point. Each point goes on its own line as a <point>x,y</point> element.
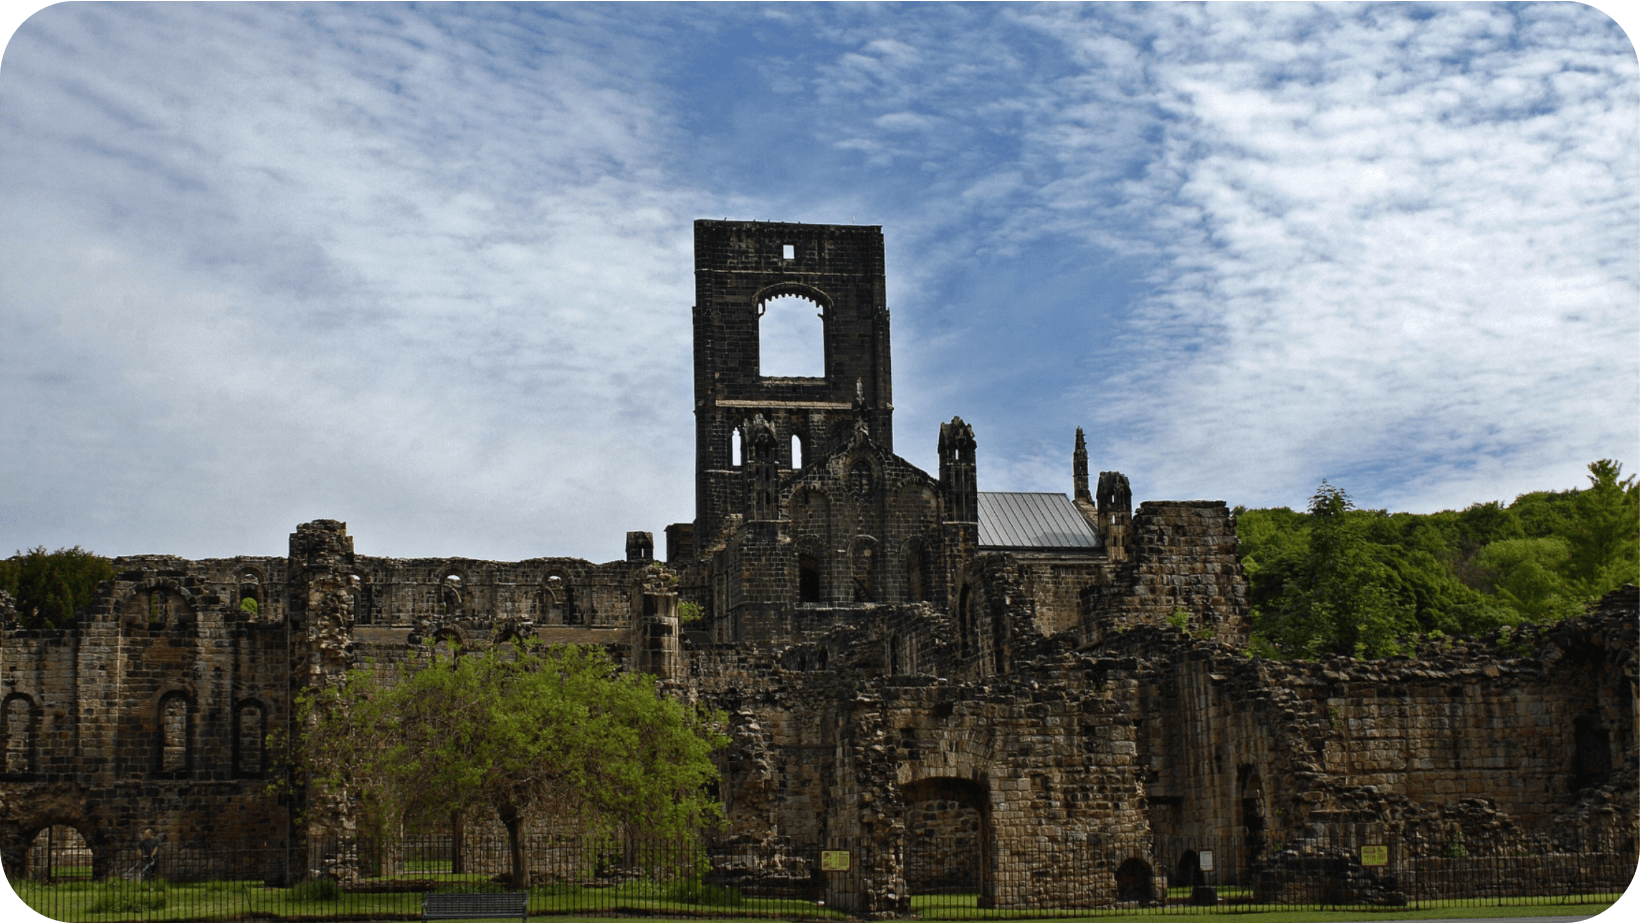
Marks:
<point>320,269</point>
<point>428,269</point>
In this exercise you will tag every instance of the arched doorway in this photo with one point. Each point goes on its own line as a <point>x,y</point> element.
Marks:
<point>58,853</point>
<point>947,842</point>
<point>1135,882</point>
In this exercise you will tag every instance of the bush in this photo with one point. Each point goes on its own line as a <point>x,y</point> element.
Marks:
<point>323,889</point>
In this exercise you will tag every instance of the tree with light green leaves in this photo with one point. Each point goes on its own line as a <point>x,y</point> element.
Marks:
<point>1337,579</point>
<point>535,734</point>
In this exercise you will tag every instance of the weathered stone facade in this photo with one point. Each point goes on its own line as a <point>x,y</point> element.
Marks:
<point>938,678</point>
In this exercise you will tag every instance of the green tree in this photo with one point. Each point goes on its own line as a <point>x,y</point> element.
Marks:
<point>1528,575</point>
<point>1543,557</point>
<point>51,588</point>
<point>1604,541</point>
<point>1336,594</point>
<point>534,734</point>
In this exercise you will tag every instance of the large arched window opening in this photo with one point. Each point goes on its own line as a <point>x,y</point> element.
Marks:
<point>173,728</point>
<point>250,593</point>
<point>253,730</point>
<point>999,644</point>
<point>808,578</point>
<point>18,730</point>
<point>916,572</point>
<point>965,622</point>
<point>791,338</point>
<point>865,570</point>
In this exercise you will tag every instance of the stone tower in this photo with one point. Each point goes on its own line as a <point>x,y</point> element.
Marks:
<point>739,267</point>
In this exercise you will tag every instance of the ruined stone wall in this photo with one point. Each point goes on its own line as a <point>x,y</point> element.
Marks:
<point>154,708</point>
<point>1056,582</point>
<point>151,711</point>
<point>1181,556</point>
<point>544,591</point>
<point>1484,742</point>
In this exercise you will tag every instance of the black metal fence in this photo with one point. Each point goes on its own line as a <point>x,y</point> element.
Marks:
<point>930,878</point>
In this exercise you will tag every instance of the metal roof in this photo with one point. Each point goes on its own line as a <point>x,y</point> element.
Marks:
<point>1029,520</point>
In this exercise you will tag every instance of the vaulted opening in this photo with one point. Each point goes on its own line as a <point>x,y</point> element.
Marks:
<point>1592,756</point>
<point>791,338</point>
<point>1135,882</point>
<point>947,836</point>
<point>58,852</point>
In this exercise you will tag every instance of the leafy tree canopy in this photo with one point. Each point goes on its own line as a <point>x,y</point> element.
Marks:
<point>51,588</point>
<point>1335,579</point>
<point>536,734</point>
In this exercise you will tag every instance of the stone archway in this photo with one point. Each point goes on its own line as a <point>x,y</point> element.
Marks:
<point>58,852</point>
<point>1135,882</point>
<point>948,849</point>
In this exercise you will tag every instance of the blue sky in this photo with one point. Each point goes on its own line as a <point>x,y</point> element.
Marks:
<point>428,269</point>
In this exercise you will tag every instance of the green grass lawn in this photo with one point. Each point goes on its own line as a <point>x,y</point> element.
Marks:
<point>965,908</point>
<point>120,900</point>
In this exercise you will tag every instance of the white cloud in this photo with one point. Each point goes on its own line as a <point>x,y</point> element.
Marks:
<point>427,269</point>
<point>1405,254</point>
<point>334,292</point>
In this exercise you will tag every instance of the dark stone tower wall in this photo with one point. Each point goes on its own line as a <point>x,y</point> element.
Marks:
<point>739,266</point>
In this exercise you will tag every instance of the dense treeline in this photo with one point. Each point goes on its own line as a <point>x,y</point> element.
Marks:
<point>1334,579</point>
<point>51,588</point>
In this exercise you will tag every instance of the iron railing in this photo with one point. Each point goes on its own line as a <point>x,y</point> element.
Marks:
<point>932,878</point>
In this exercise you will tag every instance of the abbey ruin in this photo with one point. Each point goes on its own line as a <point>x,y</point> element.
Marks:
<point>900,654</point>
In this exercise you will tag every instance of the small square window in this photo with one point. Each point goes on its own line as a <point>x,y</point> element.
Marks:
<point>788,252</point>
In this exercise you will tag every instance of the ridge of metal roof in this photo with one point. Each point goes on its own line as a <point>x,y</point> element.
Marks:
<point>1032,520</point>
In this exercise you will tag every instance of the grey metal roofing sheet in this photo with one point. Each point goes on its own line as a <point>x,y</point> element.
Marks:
<point>1027,520</point>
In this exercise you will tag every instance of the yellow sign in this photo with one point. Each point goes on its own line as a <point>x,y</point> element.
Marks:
<point>1374,855</point>
<point>834,861</point>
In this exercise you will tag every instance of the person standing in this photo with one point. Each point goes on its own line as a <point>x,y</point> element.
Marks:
<point>148,853</point>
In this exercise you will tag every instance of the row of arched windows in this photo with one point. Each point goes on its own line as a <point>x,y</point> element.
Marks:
<point>737,457</point>
<point>19,719</point>
<point>865,573</point>
<point>177,745</point>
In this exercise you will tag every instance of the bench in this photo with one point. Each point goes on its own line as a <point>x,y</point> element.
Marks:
<point>462,905</point>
